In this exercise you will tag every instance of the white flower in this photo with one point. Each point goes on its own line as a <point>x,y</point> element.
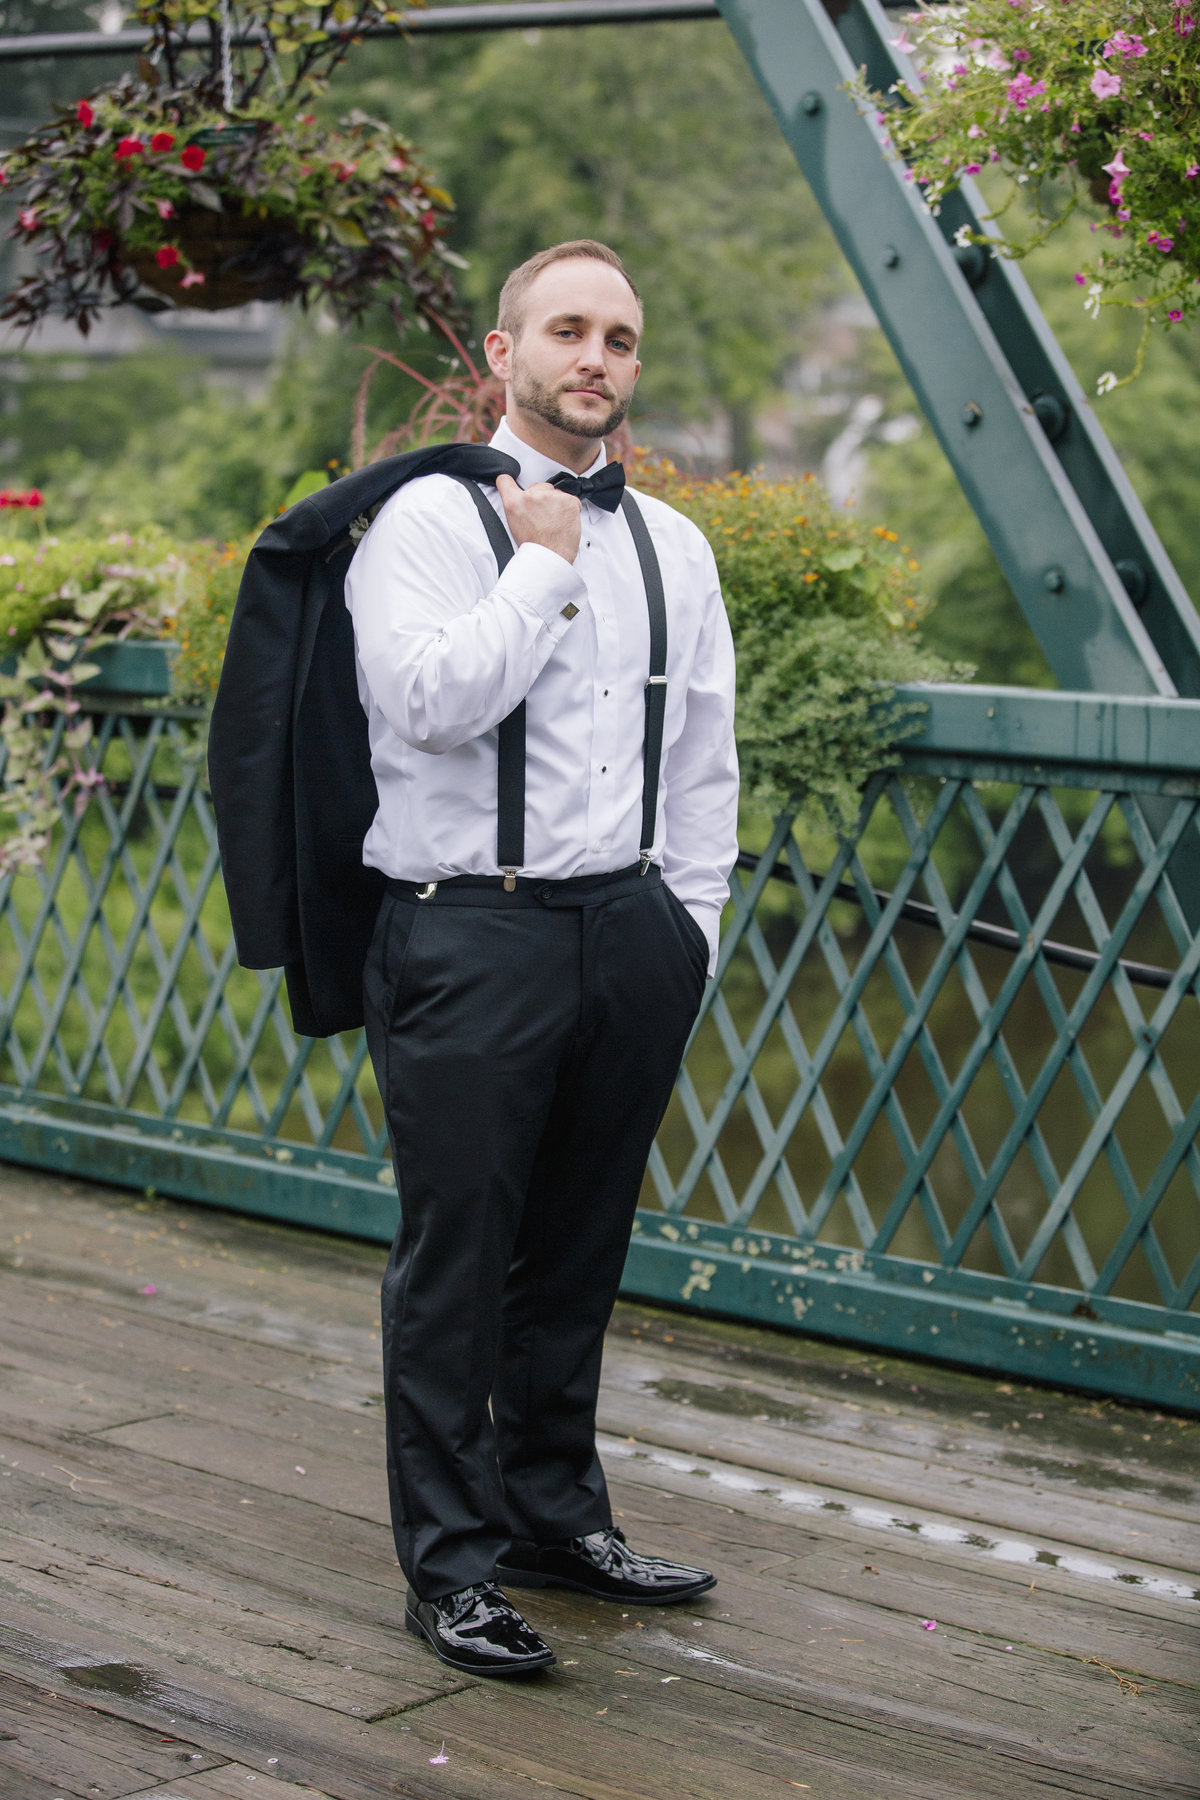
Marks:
<point>962,236</point>
<point>1106,383</point>
<point>1091,302</point>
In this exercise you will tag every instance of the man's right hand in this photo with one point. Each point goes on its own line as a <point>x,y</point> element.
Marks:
<point>541,515</point>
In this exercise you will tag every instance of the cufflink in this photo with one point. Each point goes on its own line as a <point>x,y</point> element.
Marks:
<point>569,610</point>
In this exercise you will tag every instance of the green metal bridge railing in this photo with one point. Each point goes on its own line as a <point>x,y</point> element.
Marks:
<point>942,1096</point>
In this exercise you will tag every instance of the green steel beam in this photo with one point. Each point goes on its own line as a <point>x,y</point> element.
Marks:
<point>1023,493</point>
<point>1034,1332</point>
<point>947,1315</point>
<point>1044,725</point>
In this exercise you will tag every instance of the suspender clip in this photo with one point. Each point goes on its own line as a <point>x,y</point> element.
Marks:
<point>644,860</point>
<point>656,681</point>
<point>428,891</point>
<point>510,881</point>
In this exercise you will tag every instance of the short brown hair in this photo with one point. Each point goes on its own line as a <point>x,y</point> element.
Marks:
<point>509,314</point>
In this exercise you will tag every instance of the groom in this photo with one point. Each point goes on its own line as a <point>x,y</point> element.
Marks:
<point>547,673</point>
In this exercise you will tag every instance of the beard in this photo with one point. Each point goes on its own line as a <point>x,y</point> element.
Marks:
<point>540,398</point>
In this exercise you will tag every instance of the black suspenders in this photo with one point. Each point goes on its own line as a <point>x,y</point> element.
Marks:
<point>510,775</point>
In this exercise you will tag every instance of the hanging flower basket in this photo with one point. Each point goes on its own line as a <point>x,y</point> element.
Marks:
<point>238,259</point>
<point>197,191</point>
<point>1068,100</point>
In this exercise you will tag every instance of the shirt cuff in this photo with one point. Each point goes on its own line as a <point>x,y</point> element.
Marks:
<point>542,582</point>
<point>708,918</point>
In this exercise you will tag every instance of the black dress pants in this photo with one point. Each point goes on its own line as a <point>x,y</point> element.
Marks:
<point>525,1046</point>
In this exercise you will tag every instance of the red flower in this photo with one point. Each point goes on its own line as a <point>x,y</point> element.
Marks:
<point>193,157</point>
<point>85,114</point>
<point>162,140</point>
<point>429,219</point>
<point>102,240</point>
<point>33,498</point>
<point>27,218</point>
<point>166,256</point>
<point>128,147</point>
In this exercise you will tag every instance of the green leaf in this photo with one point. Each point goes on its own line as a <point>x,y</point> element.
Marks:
<point>838,561</point>
<point>347,232</point>
<point>311,482</point>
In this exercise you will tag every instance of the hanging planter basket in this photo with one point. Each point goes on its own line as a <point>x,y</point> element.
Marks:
<point>240,259</point>
<point>215,188</point>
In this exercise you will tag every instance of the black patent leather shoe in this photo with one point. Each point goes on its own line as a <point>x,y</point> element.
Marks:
<point>602,1565</point>
<point>478,1632</point>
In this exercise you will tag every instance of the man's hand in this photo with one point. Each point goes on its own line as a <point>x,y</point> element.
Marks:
<point>541,515</point>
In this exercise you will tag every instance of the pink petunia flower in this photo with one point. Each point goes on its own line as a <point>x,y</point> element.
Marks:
<point>974,131</point>
<point>1122,44</point>
<point>1117,168</point>
<point>166,209</point>
<point>1190,174</point>
<point>27,218</point>
<point>1081,280</point>
<point>1104,84</point>
<point>903,43</point>
<point>1021,90</point>
<point>193,278</point>
<point>996,59</point>
<point>1175,315</point>
<point>973,169</point>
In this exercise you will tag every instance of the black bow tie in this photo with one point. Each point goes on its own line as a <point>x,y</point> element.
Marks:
<point>603,489</point>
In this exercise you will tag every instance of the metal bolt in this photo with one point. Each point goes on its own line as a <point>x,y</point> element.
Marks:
<point>1051,415</point>
<point>1134,580</point>
<point>972,414</point>
<point>974,262</point>
<point>1054,581</point>
<point>891,256</point>
<point>810,103</point>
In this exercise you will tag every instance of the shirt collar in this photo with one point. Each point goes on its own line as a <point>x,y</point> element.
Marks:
<point>535,466</point>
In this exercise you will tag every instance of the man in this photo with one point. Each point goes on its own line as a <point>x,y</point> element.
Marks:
<point>527,1007</point>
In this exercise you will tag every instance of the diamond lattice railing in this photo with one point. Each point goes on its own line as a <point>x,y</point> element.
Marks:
<point>907,1114</point>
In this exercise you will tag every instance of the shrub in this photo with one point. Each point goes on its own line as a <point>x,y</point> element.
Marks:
<point>825,615</point>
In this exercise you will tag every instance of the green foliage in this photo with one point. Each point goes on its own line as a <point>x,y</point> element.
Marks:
<point>1105,97</point>
<point>60,601</point>
<point>201,626</point>
<point>825,618</point>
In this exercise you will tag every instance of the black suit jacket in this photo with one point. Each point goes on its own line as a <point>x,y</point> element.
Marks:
<point>289,764</point>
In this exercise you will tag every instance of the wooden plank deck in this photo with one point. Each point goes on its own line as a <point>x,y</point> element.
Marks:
<point>199,1599</point>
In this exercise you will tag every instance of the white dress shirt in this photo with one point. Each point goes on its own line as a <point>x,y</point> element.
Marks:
<point>446,651</point>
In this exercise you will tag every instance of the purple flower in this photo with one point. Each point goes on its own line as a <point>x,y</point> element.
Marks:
<point>1020,56</point>
<point>1082,280</point>
<point>973,169</point>
<point>1104,85</point>
<point>1190,174</point>
<point>1021,89</point>
<point>1122,44</point>
<point>996,59</point>
<point>1175,314</point>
